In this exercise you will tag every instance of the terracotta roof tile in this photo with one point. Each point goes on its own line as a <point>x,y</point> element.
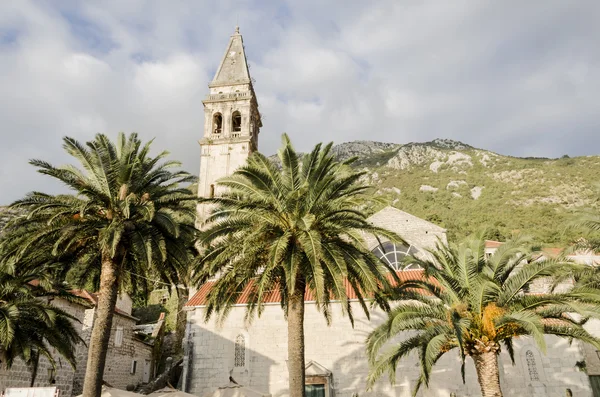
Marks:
<point>199,299</point>
<point>492,244</point>
<point>552,252</point>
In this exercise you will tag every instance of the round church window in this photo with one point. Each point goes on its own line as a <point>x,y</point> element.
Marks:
<point>393,255</point>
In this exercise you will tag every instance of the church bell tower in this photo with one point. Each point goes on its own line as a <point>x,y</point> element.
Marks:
<point>231,122</point>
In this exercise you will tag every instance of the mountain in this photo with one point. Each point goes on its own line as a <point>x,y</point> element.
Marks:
<point>465,189</point>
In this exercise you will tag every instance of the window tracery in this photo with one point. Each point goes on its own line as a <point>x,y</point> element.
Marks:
<point>531,366</point>
<point>393,255</point>
<point>240,351</point>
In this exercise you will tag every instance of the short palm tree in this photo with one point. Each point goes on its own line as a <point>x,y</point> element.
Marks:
<point>291,228</point>
<point>30,326</point>
<point>128,221</point>
<point>474,304</point>
<point>588,221</point>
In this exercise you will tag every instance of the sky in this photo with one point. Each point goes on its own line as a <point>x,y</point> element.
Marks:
<point>516,77</point>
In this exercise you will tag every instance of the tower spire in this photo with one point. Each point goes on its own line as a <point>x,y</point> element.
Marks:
<point>234,66</point>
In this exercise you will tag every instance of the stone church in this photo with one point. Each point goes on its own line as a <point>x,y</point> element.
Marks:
<point>255,355</point>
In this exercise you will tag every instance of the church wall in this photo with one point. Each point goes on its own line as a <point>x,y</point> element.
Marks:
<point>340,349</point>
<point>591,354</point>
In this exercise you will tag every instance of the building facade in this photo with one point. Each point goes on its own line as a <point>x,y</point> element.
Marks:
<point>128,360</point>
<point>255,355</point>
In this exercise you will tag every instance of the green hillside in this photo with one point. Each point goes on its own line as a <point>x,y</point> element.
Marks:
<point>465,189</point>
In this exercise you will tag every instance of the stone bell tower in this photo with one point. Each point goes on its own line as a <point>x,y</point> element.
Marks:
<point>231,122</point>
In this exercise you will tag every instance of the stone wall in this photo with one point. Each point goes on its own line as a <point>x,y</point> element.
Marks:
<point>119,360</point>
<point>124,303</point>
<point>20,375</point>
<point>340,349</point>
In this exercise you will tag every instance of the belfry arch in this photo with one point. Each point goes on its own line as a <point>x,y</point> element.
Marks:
<point>217,123</point>
<point>236,122</point>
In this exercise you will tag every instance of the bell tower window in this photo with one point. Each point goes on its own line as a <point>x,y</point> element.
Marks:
<point>217,123</point>
<point>236,121</point>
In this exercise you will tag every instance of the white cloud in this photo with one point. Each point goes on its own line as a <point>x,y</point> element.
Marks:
<point>509,76</point>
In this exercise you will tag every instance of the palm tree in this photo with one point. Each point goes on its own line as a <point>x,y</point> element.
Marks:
<point>295,228</point>
<point>474,303</point>
<point>128,221</point>
<point>588,221</point>
<point>29,325</point>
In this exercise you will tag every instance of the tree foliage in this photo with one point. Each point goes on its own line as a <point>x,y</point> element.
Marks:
<point>475,303</point>
<point>273,226</point>
<point>125,203</point>
<point>290,229</point>
<point>127,222</point>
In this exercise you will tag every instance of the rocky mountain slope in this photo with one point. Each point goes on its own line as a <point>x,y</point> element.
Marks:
<point>464,189</point>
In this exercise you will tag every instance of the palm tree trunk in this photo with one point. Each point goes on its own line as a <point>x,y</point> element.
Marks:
<point>107,299</point>
<point>488,375</point>
<point>295,319</point>
<point>35,362</point>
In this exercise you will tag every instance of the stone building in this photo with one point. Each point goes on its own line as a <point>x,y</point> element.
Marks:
<point>128,361</point>
<point>255,355</point>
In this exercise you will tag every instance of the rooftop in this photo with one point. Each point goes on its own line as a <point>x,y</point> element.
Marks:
<point>274,296</point>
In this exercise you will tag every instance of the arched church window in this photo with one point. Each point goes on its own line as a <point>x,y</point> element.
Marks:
<point>217,123</point>
<point>212,191</point>
<point>531,366</point>
<point>236,121</point>
<point>240,351</point>
<point>393,255</point>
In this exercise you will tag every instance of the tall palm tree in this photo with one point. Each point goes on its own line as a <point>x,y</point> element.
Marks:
<point>30,326</point>
<point>295,228</point>
<point>127,221</point>
<point>474,304</point>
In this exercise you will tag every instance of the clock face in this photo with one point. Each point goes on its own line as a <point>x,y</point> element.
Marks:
<point>231,54</point>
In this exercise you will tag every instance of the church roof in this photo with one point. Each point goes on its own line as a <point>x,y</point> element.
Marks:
<point>391,214</point>
<point>234,67</point>
<point>199,299</point>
